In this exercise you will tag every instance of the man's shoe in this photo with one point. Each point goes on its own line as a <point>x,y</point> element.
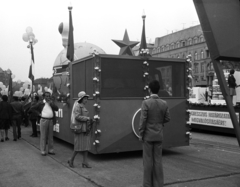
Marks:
<point>6,138</point>
<point>14,139</point>
<point>2,140</point>
<point>51,153</point>
<point>43,154</point>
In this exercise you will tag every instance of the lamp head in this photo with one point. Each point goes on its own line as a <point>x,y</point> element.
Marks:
<point>70,6</point>
<point>143,15</point>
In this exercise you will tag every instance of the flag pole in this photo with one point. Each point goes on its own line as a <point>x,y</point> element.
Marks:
<point>70,46</point>
<point>31,71</point>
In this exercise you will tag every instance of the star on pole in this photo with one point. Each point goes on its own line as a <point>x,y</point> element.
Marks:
<point>126,45</point>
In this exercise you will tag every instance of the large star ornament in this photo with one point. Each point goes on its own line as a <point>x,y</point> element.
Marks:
<point>125,45</point>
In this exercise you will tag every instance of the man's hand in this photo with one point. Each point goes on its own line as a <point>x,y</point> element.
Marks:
<point>140,139</point>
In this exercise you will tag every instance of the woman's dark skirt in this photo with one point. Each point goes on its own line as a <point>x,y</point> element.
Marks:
<point>5,124</point>
<point>232,91</point>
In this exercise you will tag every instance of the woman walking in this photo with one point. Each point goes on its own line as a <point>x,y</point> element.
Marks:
<point>81,140</point>
<point>232,84</point>
<point>5,117</point>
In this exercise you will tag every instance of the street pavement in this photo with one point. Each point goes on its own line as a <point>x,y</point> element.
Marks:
<point>22,165</point>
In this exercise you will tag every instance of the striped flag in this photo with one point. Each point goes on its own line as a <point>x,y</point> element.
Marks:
<point>70,48</point>
<point>32,66</point>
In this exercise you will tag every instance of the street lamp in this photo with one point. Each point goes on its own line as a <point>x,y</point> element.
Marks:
<point>30,38</point>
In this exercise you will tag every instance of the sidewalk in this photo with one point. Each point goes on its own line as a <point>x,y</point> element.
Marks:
<point>22,165</point>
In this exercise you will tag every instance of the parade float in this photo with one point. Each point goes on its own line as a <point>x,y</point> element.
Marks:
<point>208,110</point>
<point>117,85</point>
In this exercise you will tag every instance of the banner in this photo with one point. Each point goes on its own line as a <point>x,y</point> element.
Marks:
<point>211,118</point>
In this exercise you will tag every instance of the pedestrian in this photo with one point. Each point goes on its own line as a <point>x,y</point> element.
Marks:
<point>80,116</point>
<point>5,117</point>
<point>46,109</point>
<point>154,114</point>
<point>26,105</point>
<point>17,115</point>
<point>232,84</point>
<point>34,116</point>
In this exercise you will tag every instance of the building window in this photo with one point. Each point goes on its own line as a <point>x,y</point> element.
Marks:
<point>196,67</point>
<point>195,56</point>
<point>208,54</point>
<point>202,67</point>
<point>178,44</point>
<point>183,43</point>
<point>202,55</point>
<point>195,40</point>
<point>190,42</point>
<point>167,47</point>
<point>196,78</point>
<point>172,46</point>
<point>201,39</point>
<point>183,55</point>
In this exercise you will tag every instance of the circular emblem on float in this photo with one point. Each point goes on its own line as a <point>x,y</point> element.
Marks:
<point>135,122</point>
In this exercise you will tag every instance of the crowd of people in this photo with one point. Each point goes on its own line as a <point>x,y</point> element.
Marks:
<point>33,109</point>
<point>12,114</point>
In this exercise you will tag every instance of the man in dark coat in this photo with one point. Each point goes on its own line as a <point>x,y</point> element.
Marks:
<point>5,117</point>
<point>154,113</point>
<point>34,116</point>
<point>17,115</point>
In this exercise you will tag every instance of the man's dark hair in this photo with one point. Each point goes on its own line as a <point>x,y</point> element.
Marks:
<point>232,71</point>
<point>44,94</point>
<point>36,97</point>
<point>15,98</point>
<point>154,86</point>
<point>4,98</point>
<point>23,98</point>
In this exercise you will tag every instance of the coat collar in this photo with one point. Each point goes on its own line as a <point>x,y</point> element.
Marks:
<point>154,96</point>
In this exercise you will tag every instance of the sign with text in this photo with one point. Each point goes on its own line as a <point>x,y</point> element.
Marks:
<point>211,118</point>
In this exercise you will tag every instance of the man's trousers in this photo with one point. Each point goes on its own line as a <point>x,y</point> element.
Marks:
<point>46,136</point>
<point>16,125</point>
<point>152,163</point>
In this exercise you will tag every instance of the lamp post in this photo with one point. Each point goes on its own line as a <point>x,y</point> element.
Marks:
<point>30,38</point>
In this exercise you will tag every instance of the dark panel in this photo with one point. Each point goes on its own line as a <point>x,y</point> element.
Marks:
<point>124,77</point>
<point>220,21</point>
<point>121,78</point>
<point>78,78</point>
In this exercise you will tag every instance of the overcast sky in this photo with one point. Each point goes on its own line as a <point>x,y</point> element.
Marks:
<point>94,21</point>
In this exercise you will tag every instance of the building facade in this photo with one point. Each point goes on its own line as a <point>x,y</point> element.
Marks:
<point>186,42</point>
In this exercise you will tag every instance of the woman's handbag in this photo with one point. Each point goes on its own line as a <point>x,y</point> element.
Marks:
<point>77,126</point>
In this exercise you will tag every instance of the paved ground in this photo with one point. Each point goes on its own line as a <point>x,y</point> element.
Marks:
<point>192,166</point>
